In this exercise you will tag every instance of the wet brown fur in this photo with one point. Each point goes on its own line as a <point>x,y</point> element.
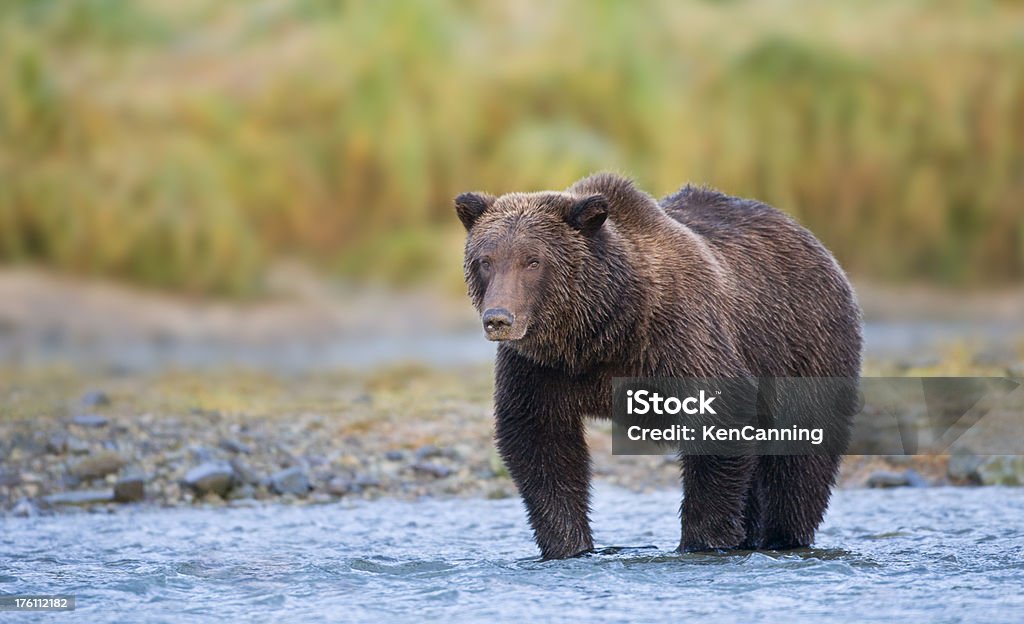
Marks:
<point>698,284</point>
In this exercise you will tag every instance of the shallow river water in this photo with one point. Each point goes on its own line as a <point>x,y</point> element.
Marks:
<point>910,555</point>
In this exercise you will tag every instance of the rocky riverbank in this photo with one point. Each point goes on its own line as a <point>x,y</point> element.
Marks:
<point>71,441</point>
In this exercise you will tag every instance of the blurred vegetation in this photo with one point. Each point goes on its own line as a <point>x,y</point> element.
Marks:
<point>187,144</point>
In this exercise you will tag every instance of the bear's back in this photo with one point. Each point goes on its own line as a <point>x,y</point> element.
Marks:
<point>793,305</point>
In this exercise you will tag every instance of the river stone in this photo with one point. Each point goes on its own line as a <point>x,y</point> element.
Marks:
<point>9,478</point>
<point>1016,370</point>
<point>232,445</point>
<point>89,420</point>
<point>96,465</point>
<point>130,489</point>
<point>80,497</point>
<point>963,466</point>
<point>244,491</point>
<point>244,472</point>
<point>77,446</point>
<point>340,486</point>
<point>367,481</point>
<point>94,398</point>
<point>436,470</point>
<point>1002,470</point>
<point>428,451</point>
<point>57,443</point>
<point>213,476</point>
<point>889,479</point>
<point>24,509</point>
<point>290,481</point>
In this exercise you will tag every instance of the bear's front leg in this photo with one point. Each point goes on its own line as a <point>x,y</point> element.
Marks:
<point>544,446</point>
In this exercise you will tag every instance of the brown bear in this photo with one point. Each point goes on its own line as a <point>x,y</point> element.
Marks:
<point>603,281</point>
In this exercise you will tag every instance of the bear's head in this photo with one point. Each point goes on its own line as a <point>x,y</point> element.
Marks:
<point>545,270</point>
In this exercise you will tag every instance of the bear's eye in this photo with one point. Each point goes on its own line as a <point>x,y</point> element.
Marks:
<point>485,264</point>
<point>533,264</point>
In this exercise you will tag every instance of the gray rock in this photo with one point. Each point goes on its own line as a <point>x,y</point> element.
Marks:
<point>438,471</point>
<point>202,454</point>
<point>340,486</point>
<point>130,489</point>
<point>9,478</point>
<point>94,398</point>
<point>1002,470</point>
<point>24,509</point>
<point>96,465</point>
<point>290,481</point>
<point>77,446</point>
<point>366,481</point>
<point>89,420</point>
<point>244,472</point>
<point>889,479</point>
<point>914,479</point>
<point>57,444</point>
<point>80,497</point>
<point>1016,370</point>
<point>963,466</point>
<point>232,445</point>
<point>242,492</point>
<point>215,476</point>
<point>394,455</point>
<point>428,451</point>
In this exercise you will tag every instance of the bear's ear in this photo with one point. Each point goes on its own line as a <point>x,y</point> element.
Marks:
<point>588,214</point>
<point>469,207</point>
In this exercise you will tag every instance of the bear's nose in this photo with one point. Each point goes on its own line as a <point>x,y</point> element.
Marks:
<point>496,319</point>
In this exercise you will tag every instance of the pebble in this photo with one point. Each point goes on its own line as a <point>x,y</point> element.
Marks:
<point>367,481</point>
<point>9,478</point>
<point>77,446</point>
<point>211,477</point>
<point>890,479</point>
<point>436,470</point>
<point>80,497</point>
<point>96,465</point>
<point>394,456</point>
<point>244,472</point>
<point>24,509</point>
<point>340,486</point>
<point>89,420</point>
<point>242,492</point>
<point>57,444</point>
<point>290,481</point>
<point>130,489</point>
<point>94,398</point>
<point>428,451</point>
<point>232,445</point>
<point>963,466</point>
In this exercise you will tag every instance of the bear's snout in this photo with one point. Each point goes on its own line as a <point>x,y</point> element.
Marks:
<point>497,323</point>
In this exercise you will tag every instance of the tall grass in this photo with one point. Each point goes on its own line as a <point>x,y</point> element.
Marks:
<point>187,144</point>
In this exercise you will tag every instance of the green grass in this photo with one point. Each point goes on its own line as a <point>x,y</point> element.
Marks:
<point>186,145</point>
